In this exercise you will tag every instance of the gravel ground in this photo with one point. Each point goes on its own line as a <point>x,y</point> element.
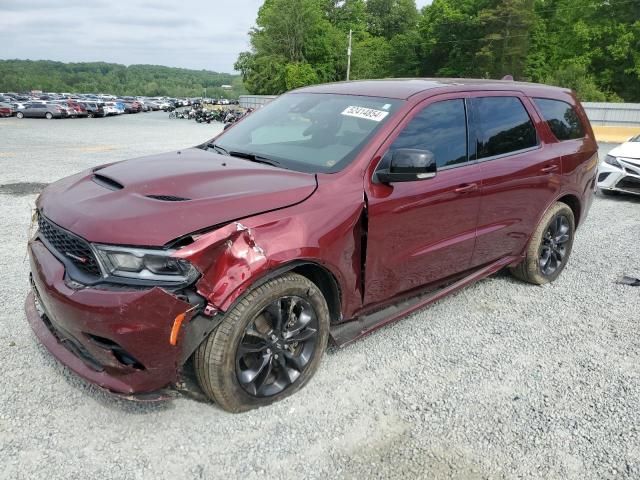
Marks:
<point>502,380</point>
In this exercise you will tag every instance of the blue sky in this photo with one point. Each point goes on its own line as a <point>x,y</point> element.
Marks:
<point>200,34</point>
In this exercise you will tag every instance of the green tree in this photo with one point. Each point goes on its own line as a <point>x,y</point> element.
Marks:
<point>387,18</point>
<point>299,75</point>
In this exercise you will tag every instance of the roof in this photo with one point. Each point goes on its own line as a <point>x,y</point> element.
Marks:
<point>403,88</point>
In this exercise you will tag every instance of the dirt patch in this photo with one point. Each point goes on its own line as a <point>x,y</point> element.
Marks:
<point>22,189</point>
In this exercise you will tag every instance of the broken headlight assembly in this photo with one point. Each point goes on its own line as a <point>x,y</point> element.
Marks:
<point>147,265</point>
<point>611,160</point>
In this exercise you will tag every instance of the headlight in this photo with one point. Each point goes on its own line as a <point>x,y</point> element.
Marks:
<point>611,160</point>
<point>145,264</point>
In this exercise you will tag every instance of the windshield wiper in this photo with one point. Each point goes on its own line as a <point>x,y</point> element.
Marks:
<point>218,148</point>
<point>256,158</point>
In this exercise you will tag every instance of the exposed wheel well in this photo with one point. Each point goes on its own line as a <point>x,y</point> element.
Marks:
<point>327,284</point>
<point>574,205</point>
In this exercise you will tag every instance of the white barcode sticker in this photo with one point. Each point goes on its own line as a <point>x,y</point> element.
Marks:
<point>366,113</point>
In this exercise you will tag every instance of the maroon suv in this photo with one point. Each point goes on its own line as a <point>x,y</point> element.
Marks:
<point>326,214</point>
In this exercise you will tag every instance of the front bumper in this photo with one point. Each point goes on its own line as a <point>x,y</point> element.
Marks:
<point>117,339</point>
<point>625,179</point>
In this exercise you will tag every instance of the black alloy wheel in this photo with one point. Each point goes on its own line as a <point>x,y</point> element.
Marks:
<point>553,248</point>
<point>277,346</point>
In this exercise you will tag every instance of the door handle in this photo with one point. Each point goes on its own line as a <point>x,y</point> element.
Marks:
<point>470,187</point>
<point>549,169</point>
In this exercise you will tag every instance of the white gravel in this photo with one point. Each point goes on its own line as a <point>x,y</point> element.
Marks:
<point>502,380</point>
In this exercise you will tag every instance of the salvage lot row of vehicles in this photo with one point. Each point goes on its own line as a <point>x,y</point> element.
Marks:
<point>83,105</point>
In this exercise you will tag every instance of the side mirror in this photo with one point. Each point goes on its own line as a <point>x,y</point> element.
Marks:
<point>409,165</point>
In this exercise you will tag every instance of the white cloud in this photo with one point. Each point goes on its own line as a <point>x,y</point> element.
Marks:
<point>200,34</point>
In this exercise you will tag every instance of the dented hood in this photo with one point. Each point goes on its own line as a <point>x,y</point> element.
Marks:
<point>150,201</point>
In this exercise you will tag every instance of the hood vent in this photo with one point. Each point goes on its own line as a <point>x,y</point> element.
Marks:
<point>107,182</point>
<point>168,198</point>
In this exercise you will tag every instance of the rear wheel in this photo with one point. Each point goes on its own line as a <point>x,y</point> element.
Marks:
<point>549,248</point>
<point>49,115</point>
<point>20,115</point>
<point>268,346</point>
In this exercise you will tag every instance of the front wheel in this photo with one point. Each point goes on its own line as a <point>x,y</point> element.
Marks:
<point>267,347</point>
<point>49,115</point>
<point>549,248</point>
<point>19,115</point>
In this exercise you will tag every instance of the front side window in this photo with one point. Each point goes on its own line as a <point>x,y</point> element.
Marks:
<point>561,118</point>
<point>440,128</point>
<point>309,132</point>
<point>503,126</point>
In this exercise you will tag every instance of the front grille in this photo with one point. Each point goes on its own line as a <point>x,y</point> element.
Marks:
<point>630,184</point>
<point>71,247</point>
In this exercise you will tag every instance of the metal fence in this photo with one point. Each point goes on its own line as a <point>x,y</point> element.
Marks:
<point>255,101</point>
<point>613,114</point>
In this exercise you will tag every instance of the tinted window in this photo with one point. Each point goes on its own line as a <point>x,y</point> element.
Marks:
<point>561,118</point>
<point>441,128</point>
<point>503,126</point>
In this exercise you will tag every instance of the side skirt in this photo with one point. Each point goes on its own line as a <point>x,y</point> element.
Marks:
<point>345,333</point>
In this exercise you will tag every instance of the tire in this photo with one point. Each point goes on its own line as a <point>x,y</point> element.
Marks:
<point>534,269</point>
<point>224,372</point>
<point>90,115</point>
<point>48,115</point>
<point>19,115</point>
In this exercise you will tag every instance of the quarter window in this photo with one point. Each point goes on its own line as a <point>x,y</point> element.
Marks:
<point>441,128</point>
<point>503,126</point>
<point>561,118</point>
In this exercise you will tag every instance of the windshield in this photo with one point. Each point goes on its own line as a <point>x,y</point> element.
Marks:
<point>309,132</point>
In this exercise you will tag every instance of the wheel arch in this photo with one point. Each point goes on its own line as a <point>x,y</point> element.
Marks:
<point>574,204</point>
<point>321,276</point>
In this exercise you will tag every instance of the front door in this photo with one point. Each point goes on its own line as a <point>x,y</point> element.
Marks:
<point>423,231</point>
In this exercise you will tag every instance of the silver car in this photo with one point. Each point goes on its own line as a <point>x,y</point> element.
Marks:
<point>42,110</point>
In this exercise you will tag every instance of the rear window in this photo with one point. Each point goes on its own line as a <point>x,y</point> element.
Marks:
<point>503,126</point>
<point>561,118</point>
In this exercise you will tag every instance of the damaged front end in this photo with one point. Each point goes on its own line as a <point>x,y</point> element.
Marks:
<point>115,315</point>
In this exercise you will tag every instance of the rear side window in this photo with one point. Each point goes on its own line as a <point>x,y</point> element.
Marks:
<point>502,126</point>
<point>561,118</point>
<point>441,128</point>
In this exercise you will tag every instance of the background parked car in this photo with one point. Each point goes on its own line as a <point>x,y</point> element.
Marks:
<point>619,172</point>
<point>76,109</point>
<point>41,110</point>
<point>110,108</point>
<point>6,109</point>
<point>94,109</point>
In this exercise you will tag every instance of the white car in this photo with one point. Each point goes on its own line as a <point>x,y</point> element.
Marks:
<point>620,170</point>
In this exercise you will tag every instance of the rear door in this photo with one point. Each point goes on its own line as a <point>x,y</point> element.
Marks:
<point>423,231</point>
<point>520,174</point>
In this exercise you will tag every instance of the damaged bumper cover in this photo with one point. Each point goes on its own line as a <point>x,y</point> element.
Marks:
<point>117,339</point>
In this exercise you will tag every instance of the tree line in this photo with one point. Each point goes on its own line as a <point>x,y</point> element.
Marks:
<point>112,78</point>
<point>591,46</point>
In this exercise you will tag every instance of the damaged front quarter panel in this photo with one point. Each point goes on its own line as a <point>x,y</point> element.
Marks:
<point>227,258</point>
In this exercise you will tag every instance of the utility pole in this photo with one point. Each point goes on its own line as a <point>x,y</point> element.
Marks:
<point>349,56</point>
